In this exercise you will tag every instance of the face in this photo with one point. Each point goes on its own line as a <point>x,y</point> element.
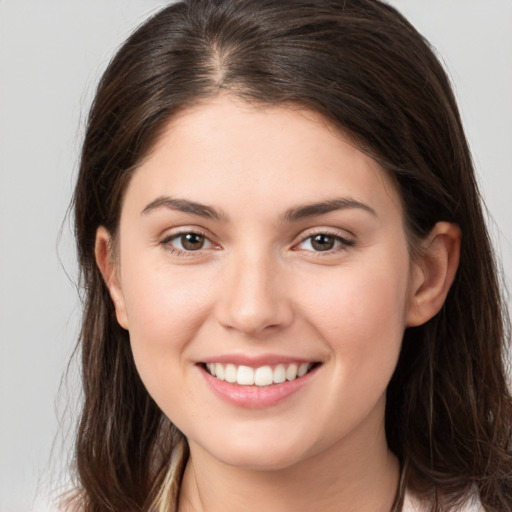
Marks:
<point>264,277</point>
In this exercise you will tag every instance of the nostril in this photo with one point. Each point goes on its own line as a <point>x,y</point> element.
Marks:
<point>255,318</point>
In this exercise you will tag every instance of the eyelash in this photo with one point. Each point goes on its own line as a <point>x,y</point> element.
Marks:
<point>167,243</point>
<point>343,243</point>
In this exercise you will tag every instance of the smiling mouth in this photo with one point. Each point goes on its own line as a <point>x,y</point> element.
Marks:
<point>260,376</point>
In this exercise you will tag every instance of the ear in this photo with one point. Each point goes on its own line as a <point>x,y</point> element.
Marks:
<point>105,260</point>
<point>433,273</point>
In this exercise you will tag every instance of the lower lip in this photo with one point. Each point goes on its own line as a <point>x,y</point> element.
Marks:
<point>256,397</point>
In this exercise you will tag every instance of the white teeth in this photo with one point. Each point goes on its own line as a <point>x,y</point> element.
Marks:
<point>230,374</point>
<point>262,376</point>
<point>279,374</point>
<point>291,372</point>
<point>303,369</point>
<point>245,376</point>
<point>219,371</point>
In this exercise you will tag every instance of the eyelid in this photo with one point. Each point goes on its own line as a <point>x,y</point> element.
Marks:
<point>345,241</point>
<point>175,233</point>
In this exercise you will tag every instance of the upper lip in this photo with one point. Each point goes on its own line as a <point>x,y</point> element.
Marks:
<point>257,361</point>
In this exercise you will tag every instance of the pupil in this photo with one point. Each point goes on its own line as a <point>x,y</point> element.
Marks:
<point>322,242</point>
<point>192,241</point>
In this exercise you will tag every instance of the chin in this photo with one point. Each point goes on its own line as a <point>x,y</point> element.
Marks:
<point>269,453</point>
<point>260,461</point>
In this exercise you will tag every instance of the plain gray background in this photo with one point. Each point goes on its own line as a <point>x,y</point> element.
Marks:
<point>51,55</point>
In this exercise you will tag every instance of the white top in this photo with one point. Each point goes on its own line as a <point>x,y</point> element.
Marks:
<point>412,504</point>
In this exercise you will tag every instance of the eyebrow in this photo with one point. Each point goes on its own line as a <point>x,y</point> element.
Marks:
<point>291,215</point>
<point>186,206</point>
<point>322,207</point>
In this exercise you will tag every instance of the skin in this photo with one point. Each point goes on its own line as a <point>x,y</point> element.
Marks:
<point>258,287</point>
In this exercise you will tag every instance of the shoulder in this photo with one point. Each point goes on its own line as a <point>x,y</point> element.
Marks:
<point>413,504</point>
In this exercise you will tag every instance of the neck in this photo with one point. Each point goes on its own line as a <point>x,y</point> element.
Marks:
<point>356,475</point>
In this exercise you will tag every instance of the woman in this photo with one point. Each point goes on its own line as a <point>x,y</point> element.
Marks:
<point>291,299</point>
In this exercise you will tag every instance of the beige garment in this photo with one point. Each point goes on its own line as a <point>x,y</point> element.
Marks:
<point>412,504</point>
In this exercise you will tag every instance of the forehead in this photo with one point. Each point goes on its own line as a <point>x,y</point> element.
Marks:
<point>232,150</point>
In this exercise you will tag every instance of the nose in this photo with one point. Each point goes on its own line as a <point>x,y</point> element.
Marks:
<point>254,297</point>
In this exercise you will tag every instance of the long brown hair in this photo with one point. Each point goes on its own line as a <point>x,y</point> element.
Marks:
<point>362,66</point>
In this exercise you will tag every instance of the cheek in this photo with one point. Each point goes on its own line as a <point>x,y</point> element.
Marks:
<point>359,314</point>
<point>159,295</point>
<point>165,309</point>
<point>361,311</point>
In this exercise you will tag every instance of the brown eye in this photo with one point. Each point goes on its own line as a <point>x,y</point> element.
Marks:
<point>325,242</point>
<point>187,242</point>
<point>192,241</point>
<point>322,242</point>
